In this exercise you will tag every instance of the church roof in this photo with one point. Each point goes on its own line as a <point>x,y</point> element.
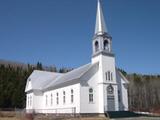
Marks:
<point>100,27</point>
<point>122,76</point>
<point>71,76</point>
<point>42,80</point>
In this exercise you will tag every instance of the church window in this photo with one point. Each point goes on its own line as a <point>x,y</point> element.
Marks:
<point>30,100</point>
<point>119,96</point>
<point>90,95</point>
<point>51,99</point>
<point>106,75</point>
<point>105,45</point>
<point>110,89</point>
<point>46,100</point>
<point>64,97</point>
<point>96,46</point>
<point>109,75</point>
<point>57,98</point>
<point>72,97</point>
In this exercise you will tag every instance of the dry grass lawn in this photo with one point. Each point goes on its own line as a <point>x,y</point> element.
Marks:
<point>9,118</point>
<point>14,118</point>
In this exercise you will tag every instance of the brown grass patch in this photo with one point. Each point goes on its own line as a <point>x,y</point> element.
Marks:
<point>9,118</point>
<point>7,114</point>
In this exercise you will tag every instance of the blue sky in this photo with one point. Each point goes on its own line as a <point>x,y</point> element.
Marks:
<point>59,32</point>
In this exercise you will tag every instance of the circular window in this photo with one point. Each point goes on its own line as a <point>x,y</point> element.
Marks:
<point>72,91</point>
<point>110,89</point>
<point>90,90</point>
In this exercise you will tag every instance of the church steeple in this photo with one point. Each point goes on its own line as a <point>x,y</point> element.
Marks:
<point>100,27</point>
<point>102,41</point>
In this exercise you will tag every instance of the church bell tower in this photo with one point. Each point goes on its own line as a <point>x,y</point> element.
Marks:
<point>102,41</point>
<point>102,53</point>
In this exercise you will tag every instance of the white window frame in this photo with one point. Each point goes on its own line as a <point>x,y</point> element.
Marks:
<point>51,99</point>
<point>64,97</point>
<point>57,98</point>
<point>91,96</point>
<point>46,100</point>
<point>72,96</point>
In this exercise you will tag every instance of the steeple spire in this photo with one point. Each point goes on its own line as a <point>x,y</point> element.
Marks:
<point>100,27</point>
<point>102,41</point>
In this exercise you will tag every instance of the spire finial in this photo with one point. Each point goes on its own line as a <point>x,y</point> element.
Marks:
<point>100,22</point>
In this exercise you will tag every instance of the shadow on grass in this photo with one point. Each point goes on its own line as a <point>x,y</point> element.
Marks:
<point>126,114</point>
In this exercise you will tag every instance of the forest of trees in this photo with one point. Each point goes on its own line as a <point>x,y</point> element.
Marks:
<point>143,89</point>
<point>13,80</point>
<point>144,92</point>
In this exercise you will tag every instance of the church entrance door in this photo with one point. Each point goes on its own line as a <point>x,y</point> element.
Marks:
<point>110,98</point>
<point>110,103</point>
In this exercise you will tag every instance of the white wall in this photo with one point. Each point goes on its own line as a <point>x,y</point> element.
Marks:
<point>89,80</point>
<point>38,103</point>
<point>123,91</point>
<point>106,63</point>
<point>100,82</point>
<point>29,102</point>
<point>125,96</point>
<point>37,100</point>
<point>68,106</point>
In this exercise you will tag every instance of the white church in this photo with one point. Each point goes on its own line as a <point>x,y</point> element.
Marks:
<point>96,87</point>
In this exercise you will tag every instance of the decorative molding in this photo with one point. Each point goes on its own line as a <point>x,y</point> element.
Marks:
<point>105,53</point>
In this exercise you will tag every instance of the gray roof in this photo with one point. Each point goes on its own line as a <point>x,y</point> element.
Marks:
<point>122,76</point>
<point>39,79</point>
<point>42,80</point>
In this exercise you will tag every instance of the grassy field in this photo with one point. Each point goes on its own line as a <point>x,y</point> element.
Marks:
<point>20,116</point>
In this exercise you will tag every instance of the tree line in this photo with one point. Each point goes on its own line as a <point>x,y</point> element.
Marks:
<point>13,80</point>
<point>143,90</point>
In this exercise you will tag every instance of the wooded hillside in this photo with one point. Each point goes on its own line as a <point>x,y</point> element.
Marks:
<point>13,78</point>
<point>144,90</point>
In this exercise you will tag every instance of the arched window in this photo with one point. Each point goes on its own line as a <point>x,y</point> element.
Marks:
<point>30,100</point>
<point>64,97</point>
<point>90,95</point>
<point>57,98</point>
<point>46,100</point>
<point>51,99</point>
<point>105,45</point>
<point>110,89</point>
<point>106,75</point>
<point>109,75</point>
<point>72,97</point>
<point>96,46</point>
<point>119,96</point>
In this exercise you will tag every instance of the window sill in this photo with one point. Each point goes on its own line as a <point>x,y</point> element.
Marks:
<point>91,103</point>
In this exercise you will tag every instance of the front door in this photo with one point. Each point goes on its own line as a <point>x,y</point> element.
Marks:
<point>110,98</point>
<point>110,103</point>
